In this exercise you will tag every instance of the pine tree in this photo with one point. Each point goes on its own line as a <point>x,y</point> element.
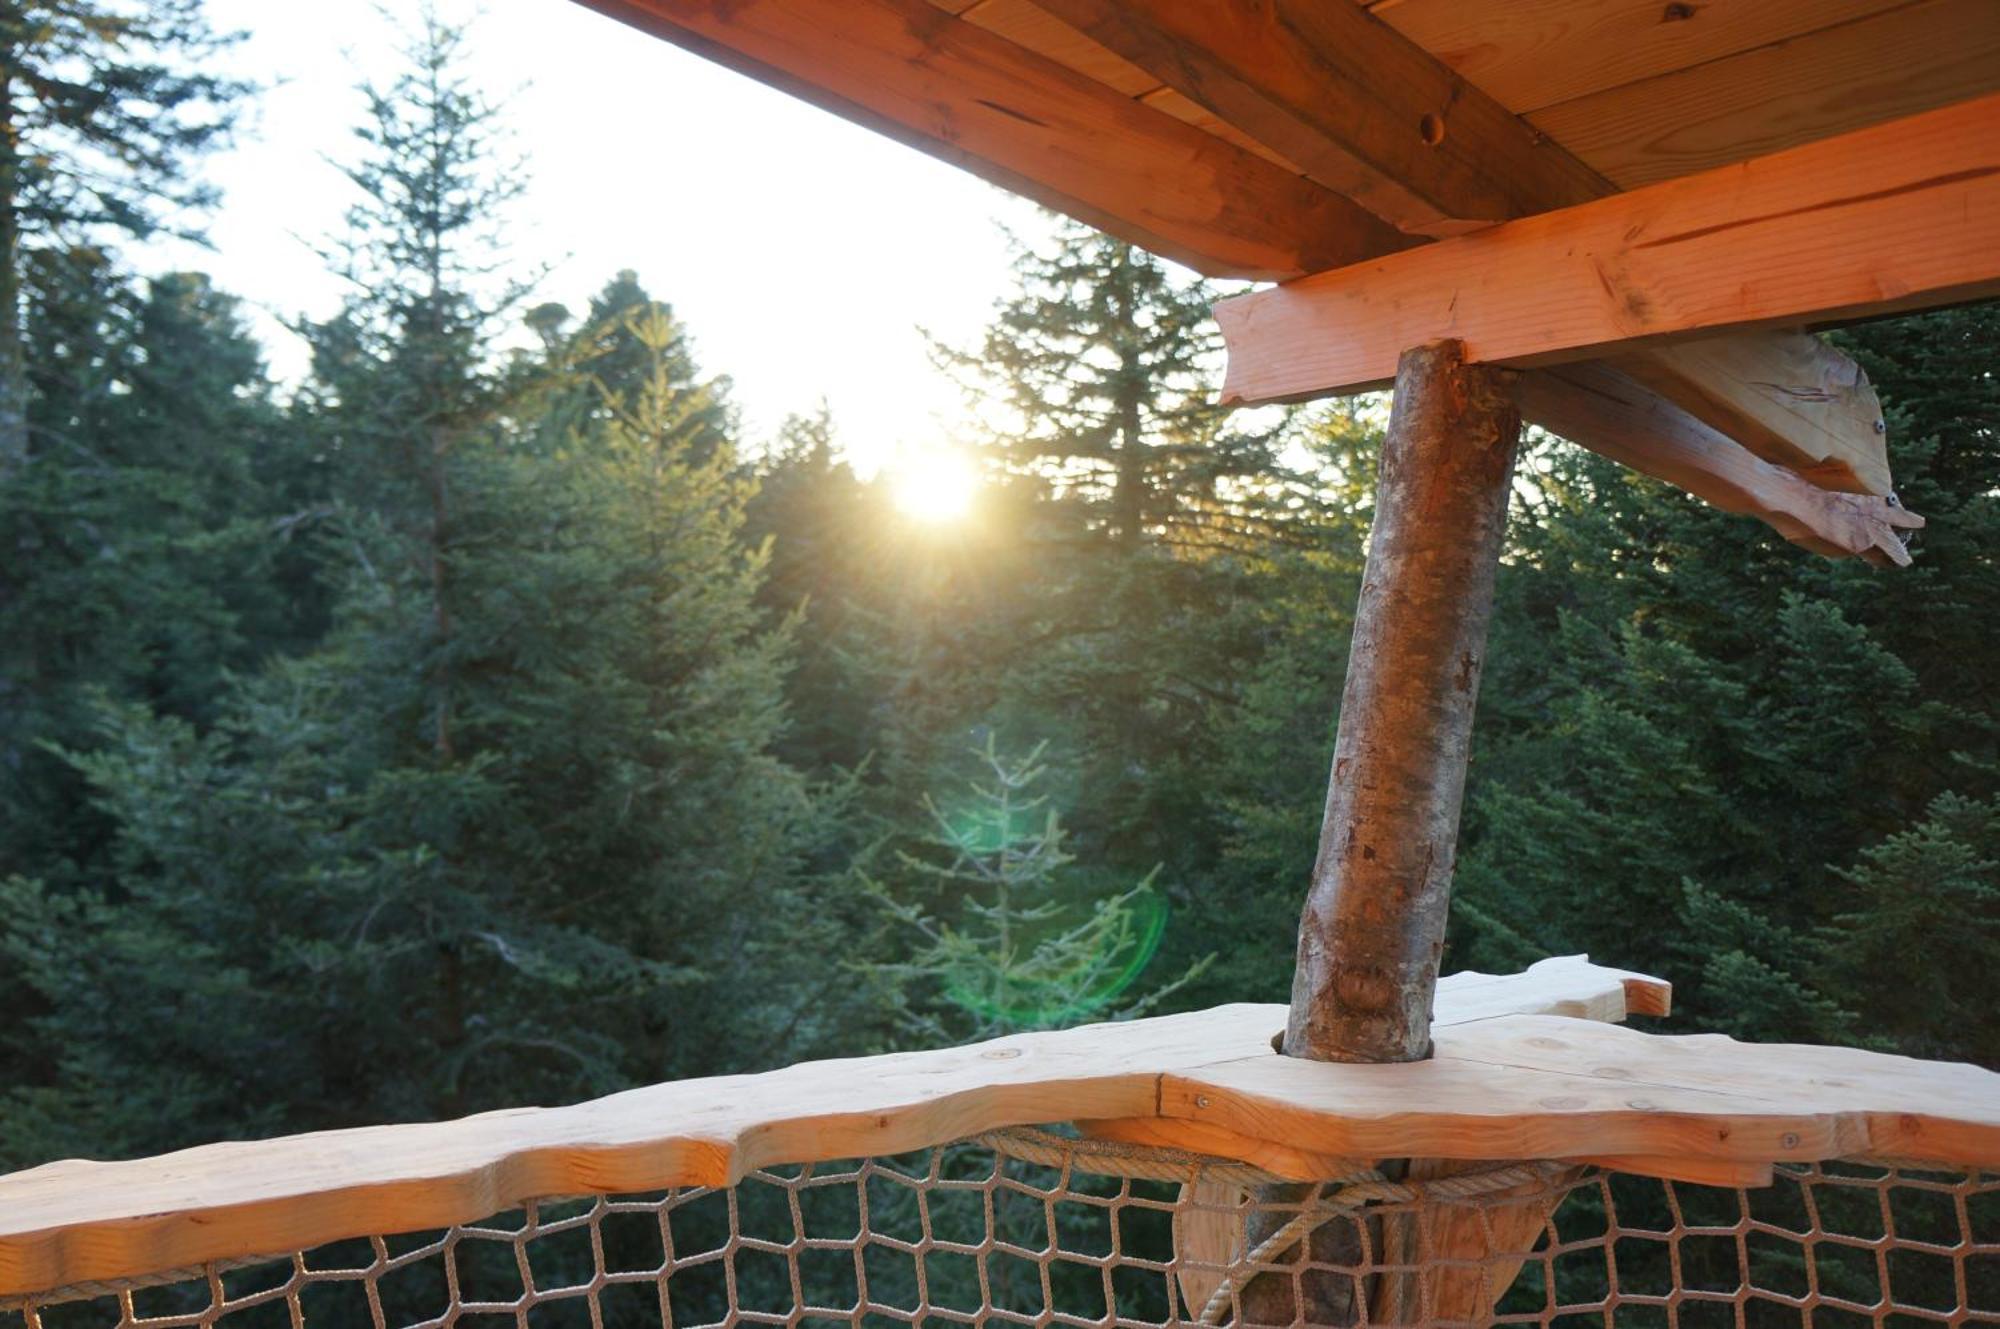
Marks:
<point>406,380</point>
<point>513,831</point>
<point>103,109</point>
<point>1773,762</point>
<point>826,534</point>
<point>1152,509</point>
<point>1105,361</point>
<point>1007,938</point>
<point>143,533</point>
<point>1264,789</point>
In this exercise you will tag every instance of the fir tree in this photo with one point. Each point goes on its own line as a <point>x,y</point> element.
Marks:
<point>1690,725</point>
<point>103,109</point>
<point>513,831</point>
<point>1105,362</point>
<point>1006,938</point>
<point>825,530</point>
<point>143,533</point>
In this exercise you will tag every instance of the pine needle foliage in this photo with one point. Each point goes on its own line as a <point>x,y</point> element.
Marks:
<point>105,105</point>
<point>1099,376</point>
<point>1004,938</point>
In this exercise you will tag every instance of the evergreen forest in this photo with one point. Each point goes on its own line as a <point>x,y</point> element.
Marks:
<point>489,719</point>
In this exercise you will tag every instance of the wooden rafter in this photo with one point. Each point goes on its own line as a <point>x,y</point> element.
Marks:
<point>1360,108</point>
<point>1894,217</point>
<point>1620,419</point>
<point>1787,397</point>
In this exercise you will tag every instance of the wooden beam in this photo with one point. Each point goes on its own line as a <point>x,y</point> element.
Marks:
<point>1026,122</point>
<point>1895,217</point>
<point>1786,396</point>
<point>1360,108</point>
<point>1350,99</point>
<point>1600,408</point>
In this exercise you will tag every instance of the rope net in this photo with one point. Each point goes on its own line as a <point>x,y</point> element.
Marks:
<point>1028,1228</point>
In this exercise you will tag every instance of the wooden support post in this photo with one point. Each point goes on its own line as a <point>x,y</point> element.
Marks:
<point>1373,929</point>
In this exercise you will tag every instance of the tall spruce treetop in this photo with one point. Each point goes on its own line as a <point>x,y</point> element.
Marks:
<point>103,109</point>
<point>1107,361</point>
<point>423,249</point>
<point>587,375</point>
<point>404,372</point>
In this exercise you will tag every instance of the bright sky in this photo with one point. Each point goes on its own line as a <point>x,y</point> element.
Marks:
<point>803,252</point>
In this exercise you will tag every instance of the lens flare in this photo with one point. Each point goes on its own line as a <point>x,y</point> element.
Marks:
<point>936,485</point>
<point>1099,962</point>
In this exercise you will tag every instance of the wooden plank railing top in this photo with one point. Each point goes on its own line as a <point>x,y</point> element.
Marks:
<point>1524,1068</point>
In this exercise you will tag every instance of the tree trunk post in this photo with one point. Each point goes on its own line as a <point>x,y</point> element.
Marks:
<point>1374,923</point>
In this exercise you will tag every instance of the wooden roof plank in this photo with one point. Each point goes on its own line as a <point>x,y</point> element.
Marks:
<point>1024,121</point>
<point>1528,54</point>
<point>1045,34</point>
<point>1360,108</point>
<point>77,1221</point>
<point>1897,63</point>
<point>1897,216</point>
<point>1184,108</point>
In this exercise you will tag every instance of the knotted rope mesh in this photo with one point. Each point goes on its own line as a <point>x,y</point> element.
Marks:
<point>1029,1228</point>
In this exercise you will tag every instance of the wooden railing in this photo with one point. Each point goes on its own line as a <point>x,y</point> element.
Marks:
<point>1526,1066</point>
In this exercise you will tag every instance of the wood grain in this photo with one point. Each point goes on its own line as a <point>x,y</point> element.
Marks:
<point>1531,53</point>
<point>1469,1253</point>
<point>1029,123</point>
<point>1603,410</point>
<point>1360,108</point>
<point>1373,926</point>
<point>1898,63</point>
<point>1895,217</point>
<point>1045,34</point>
<point>1788,397</point>
<point>1544,1087</point>
<point>77,1220</point>
<point>1502,1086</point>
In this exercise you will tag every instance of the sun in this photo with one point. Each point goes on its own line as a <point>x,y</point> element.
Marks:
<point>935,485</point>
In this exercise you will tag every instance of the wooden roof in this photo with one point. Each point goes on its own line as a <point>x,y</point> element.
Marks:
<point>1285,139</point>
<point>1634,91</point>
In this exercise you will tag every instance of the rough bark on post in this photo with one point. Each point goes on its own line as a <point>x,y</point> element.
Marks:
<point>1373,928</point>
<point>1374,922</point>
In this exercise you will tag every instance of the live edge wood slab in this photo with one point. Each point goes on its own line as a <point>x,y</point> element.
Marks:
<point>1525,1067</point>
